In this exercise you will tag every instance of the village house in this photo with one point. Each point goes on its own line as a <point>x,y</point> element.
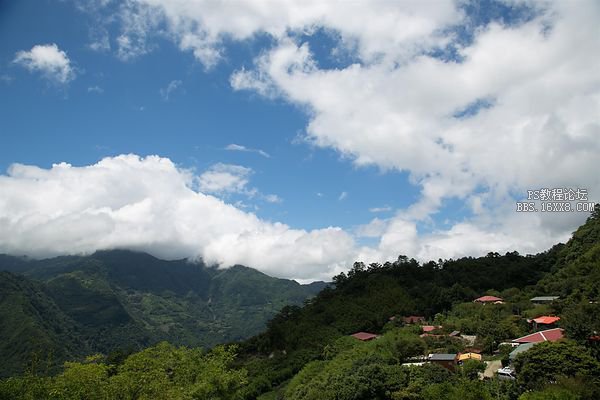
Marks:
<point>364,336</point>
<point>548,335</point>
<point>447,361</point>
<point>544,322</point>
<point>544,299</point>
<point>462,357</point>
<point>518,350</point>
<point>430,328</point>
<point>489,300</point>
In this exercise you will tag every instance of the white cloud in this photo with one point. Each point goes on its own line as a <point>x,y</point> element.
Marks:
<point>95,89</point>
<point>342,196</point>
<point>150,205</point>
<point>137,23</point>
<point>380,209</point>
<point>169,89</point>
<point>541,129</point>
<point>273,198</point>
<point>100,41</point>
<point>225,178</point>
<point>394,107</point>
<point>49,60</point>
<point>238,147</point>
<point>372,28</point>
<point>374,229</point>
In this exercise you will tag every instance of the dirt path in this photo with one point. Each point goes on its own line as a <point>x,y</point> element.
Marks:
<point>491,368</point>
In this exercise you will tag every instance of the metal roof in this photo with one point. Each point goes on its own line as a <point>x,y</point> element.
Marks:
<point>442,357</point>
<point>545,298</point>
<point>521,348</point>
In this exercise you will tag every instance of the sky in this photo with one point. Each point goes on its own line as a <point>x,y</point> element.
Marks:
<point>295,137</point>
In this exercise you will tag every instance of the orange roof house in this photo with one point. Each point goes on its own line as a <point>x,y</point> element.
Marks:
<point>549,335</point>
<point>364,336</point>
<point>545,320</point>
<point>488,299</point>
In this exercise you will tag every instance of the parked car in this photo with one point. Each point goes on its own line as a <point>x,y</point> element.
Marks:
<point>506,373</point>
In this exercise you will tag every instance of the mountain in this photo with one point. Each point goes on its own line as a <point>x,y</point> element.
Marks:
<point>119,300</point>
<point>33,325</point>
<point>307,352</point>
<point>575,274</point>
<point>299,342</point>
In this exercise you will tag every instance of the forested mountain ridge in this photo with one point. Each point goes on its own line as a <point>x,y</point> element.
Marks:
<point>308,353</point>
<point>67,307</point>
<point>367,296</point>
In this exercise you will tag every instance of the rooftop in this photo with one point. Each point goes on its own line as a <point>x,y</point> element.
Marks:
<point>545,298</point>
<point>488,299</point>
<point>469,356</point>
<point>519,349</point>
<point>364,336</point>
<point>546,320</point>
<point>430,328</point>
<point>442,357</point>
<point>550,335</point>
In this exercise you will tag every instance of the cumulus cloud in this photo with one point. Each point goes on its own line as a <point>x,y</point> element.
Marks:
<point>482,119</point>
<point>49,60</point>
<point>238,147</point>
<point>150,204</point>
<point>201,26</point>
<point>509,89</point>
<point>225,178</point>
<point>517,109</point>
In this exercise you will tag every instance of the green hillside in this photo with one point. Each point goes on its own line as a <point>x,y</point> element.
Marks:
<point>33,325</point>
<point>442,292</point>
<point>123,301</point>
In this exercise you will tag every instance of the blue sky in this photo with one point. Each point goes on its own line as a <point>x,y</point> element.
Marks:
<point>192,127</point>
<point>390,131</point>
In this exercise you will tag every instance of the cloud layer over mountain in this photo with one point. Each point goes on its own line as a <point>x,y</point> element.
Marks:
<point>475,110</point>
<point>149,204</point>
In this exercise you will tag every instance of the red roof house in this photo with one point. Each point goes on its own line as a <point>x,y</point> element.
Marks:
<point>364,336</point>
<point>430,328</point>
<point>488,299</point>
<point>545,320</point>
<point>549,335</point>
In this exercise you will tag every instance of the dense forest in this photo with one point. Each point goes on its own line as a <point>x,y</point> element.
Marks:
<point>65,308</point>
<point>306,352</point>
